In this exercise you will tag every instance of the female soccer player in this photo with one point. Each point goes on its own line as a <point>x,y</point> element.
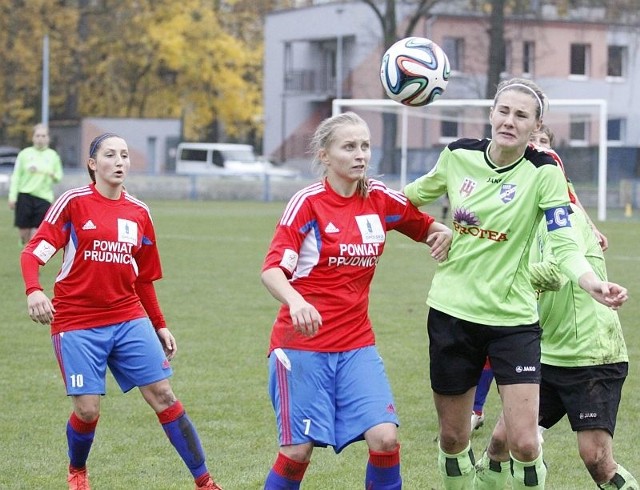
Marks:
<point>35,172</point>
<point>481,302</point>
<point>105,312</point>
<point>327,382</point>
<point>584,364</point>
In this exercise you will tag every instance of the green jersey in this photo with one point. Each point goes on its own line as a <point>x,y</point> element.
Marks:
<point>496,211</point>
<point>34,173</point>
<point>576,329</point>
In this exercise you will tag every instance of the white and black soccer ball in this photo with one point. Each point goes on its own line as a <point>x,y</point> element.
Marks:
<point>414,71</point>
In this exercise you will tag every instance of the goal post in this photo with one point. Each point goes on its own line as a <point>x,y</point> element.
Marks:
<point>580,126</point>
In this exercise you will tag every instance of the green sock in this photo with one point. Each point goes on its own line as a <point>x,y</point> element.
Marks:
<point>490,474</point>
<point>622,480</point>
<point>530,475</point>
<point>457,470</point>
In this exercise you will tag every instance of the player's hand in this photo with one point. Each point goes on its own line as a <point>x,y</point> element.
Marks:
<point>40,308</point>
<point>305,318</point>
<point>168,342</point>
<point>608,293</point>
<point>440,243</point>
<point>12,205</point>
<point>602,240</point>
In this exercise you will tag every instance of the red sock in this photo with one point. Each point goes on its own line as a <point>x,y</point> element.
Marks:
<point>288,468</point>
<point>385,459</point>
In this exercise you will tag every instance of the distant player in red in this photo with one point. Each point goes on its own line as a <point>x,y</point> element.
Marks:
<point>105,311</point>
<point>327,381</point>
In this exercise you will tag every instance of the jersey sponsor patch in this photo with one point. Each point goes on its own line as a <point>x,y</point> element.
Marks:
<point>557,218</point>
<point>127,231</point>
<point>371,228</point>
<point>44,251</point>
<point>289,259</point>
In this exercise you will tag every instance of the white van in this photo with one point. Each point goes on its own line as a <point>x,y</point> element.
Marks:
<point>225,159</point>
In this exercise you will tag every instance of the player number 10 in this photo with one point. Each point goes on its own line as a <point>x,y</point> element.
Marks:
<point>77,380</point>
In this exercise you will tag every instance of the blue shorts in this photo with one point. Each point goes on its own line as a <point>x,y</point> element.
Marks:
<point>131,350</point>
<point>329,398</point>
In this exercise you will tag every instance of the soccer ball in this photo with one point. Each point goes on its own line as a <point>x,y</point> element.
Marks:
<point>414,71</point>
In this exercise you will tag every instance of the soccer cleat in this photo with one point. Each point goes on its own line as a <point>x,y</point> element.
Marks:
<point>477,420</point>
<point>78,479</point>
<point>209,485</point>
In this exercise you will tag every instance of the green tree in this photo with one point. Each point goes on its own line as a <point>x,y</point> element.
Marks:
<point>145,58</point>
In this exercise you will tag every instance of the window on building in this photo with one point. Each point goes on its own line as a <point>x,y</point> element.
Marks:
<point>580,60</point>
<point>454,47</point>
<point>578,131</point>
<point>615,129</point>
<point>528,57</point>
<point>449,127</point>
<point>616,61</point>
<point>508,59</point>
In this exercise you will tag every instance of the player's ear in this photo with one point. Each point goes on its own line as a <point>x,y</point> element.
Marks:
<point>538,125</point>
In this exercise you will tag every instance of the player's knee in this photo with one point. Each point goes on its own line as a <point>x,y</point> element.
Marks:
<point>497,449</point>
<point>301,453</point>
<point>388,443</point>
<point>87,413</point>
<point>382,438</point>
<point>159,395</point>
<point>526,449</point>
<point>600,466</point>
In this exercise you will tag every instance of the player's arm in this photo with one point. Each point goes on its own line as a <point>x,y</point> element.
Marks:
<point>430,186</point>
<point>304,316</point>
<point>39,306</point>
<point>573,263</point>
<point>57,173</point>
<point>439,239</point>
<point>602,239</point>
<point>147,293</point>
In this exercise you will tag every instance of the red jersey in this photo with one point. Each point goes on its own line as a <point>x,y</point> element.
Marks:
<point>328,246</point>
<point>108,246</point>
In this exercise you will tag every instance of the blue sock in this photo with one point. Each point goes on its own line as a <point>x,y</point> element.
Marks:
<point>278,482</point>
<point>184,438</point>
<point>80,436</point>
<point>482,390</point>
<point>383,471</point>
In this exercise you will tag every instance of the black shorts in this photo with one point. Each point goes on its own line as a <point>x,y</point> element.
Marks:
<point>30,211</point>
<point>458,350</point>
<point>589,396</point>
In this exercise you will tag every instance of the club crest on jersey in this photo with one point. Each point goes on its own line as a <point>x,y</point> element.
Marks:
<point>467,187</point>
<point>127,231</point>
<point>370,228</point>
<point>507,192</point>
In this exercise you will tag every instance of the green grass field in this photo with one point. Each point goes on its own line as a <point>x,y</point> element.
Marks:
<point>221,316</point>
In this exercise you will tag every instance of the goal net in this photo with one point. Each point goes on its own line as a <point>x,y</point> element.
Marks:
<point>420,134</point>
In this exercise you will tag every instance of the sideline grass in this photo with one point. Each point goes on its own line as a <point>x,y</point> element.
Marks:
<point>221,317</point>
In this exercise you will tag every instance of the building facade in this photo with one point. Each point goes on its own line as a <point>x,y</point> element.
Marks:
<point>332,50</point>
